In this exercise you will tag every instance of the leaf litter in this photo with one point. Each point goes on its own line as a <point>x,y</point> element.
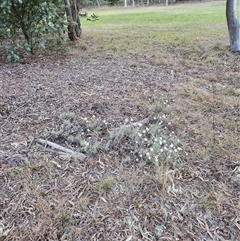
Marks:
<point>47,196</point>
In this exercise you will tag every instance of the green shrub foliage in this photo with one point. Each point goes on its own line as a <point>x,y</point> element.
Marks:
<point>27,25</point>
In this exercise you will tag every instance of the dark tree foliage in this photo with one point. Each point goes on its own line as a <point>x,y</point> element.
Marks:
<point>26,25</point>
<point>113,2</point>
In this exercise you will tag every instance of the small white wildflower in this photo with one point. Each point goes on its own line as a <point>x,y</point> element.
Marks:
<point>173,132</point>
<point>148,154</point>
<point>131,119</point>
<point>88,130</point>
<point>151,149</point>
<point>93,116</point>
<point>140,124</point>
<point>155,139</point>
<point>161,150</point>
<point>175,150</point>
<point>179,148</point>
<point>156,159</point>
<point>140,155</point>
<point>154,118</point>
<point>145,139</point>
<point>160,142</point>
<point>144,131</point>
<point>86,143</point>
<point>126,120</point>
<point>139,134</point>
<point>169,123</point>
<point>147,129</point>
<point>171,145</point>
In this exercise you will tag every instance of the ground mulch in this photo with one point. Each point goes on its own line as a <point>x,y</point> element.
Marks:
<point>45,196</point>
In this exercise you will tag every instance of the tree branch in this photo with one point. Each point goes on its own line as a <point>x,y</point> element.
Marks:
<point>53,145</point>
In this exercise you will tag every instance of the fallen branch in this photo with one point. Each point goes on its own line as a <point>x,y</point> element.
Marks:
<point>61,149</point>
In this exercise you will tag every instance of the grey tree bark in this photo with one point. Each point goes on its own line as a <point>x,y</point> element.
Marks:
<point>233,25</point>
<point>74,26</point>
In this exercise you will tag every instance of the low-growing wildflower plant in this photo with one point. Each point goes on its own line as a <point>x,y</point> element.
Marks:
<point>150,142</point>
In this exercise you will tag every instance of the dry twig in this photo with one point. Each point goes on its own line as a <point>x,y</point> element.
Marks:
<point>79,155</point>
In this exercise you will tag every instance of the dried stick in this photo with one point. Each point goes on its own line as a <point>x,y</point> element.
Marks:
<point>43,142</point>
<point>141,122</point>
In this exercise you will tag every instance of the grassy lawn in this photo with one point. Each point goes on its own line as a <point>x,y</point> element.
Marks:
<point>177,34</point>
<point>156,97</point>
<point>160,23</point>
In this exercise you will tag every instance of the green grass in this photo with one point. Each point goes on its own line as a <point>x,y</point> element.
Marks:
<point>136,30</point>
<point>176,14</point>
<point>174,18</point>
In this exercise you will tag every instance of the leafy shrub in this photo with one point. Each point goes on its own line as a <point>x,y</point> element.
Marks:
<point>28,24</point>
<point>141,143</point>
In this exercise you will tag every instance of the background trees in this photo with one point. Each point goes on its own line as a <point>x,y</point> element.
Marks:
<point>72,10</point>
<point>27,25</point>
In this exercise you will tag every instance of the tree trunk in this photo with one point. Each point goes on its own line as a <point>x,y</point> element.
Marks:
<point>98,4</point>
<point>233,26</point>
<point>74,26</point>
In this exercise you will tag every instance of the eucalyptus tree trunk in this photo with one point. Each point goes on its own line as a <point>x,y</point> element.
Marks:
<point>74,25</point>
<point>125,3</point>
<point>233,25</point>
<point>98,4</point>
